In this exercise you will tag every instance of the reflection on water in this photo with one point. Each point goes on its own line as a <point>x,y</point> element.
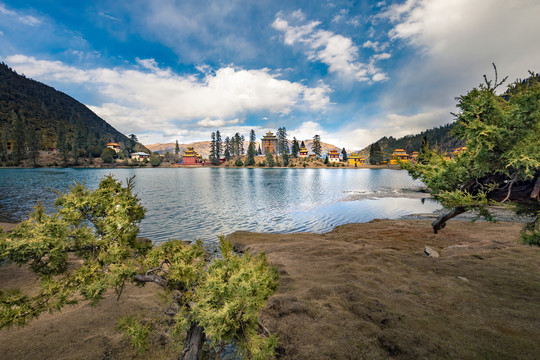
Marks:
<point>205,202</point>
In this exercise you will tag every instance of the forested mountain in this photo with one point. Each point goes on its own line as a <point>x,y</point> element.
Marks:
<point>439,137</point>
<point>38,110</point>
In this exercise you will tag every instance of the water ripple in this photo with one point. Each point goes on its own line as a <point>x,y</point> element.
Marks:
<point>206,202</point>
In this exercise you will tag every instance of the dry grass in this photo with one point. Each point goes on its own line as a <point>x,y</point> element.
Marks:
<point>362,291</point>
<point>367,291</point>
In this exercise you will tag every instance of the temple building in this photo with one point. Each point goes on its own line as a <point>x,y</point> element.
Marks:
<point>459,150</point>
<point>114,146</point>
<point>333,156</point>
<point>355,159</point>
<point>303,153</point>
<point>269,143</point>
<point>191,157</point>
<point>399,155</point>
<point>140,156</point>
<point>414,157</point>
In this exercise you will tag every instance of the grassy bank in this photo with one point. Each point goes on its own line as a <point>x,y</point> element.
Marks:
<point>362,291</point>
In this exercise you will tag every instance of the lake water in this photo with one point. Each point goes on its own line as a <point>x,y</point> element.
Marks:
<point>202,203</point>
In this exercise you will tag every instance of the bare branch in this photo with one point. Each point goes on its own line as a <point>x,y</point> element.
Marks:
<point>152,278</point>
<point>440,223</point>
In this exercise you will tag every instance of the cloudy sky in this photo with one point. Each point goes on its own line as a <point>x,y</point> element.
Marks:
<point>349,71</point>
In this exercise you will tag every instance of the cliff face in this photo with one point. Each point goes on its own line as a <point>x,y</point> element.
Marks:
<point>44,109</point>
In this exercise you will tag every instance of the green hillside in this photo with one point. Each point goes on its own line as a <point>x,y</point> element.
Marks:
<point>30,108</point>
<point>439,137</point>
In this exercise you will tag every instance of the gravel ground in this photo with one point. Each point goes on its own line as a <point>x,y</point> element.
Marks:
<point>501,214</point>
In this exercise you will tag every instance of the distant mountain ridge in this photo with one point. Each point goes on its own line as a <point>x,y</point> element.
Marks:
<point>44,108</point>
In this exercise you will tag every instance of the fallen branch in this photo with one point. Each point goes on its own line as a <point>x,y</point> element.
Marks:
<point>440,223</point>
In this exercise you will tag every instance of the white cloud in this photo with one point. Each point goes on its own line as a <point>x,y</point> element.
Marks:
<point>147,97</point>
<point>216,123</point>
<point>375,45</point>
<point>338,52</point>
<point>379,77</point>
<point>25,19</point>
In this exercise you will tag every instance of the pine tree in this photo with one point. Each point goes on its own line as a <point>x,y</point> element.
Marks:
<point>501,162</point>
<point>316,146</point>
<point>3,142</point>
<point>213,148</point>
<point>218,147</point>
<point>61,143</point>
<point>295,149</point>
<point>270,159</point>
<point>237,145</point>
<point>79,140</point>
<point>33,145</point>
<point>375,154</point>
<point>250,161</point>
<point>176,148</point>
<point>97,229</point>
<point>19,150</point>
<point>242,140</point>
<point>344,155</point>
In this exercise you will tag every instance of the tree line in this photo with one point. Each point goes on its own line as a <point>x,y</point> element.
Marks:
<point>233,147</point>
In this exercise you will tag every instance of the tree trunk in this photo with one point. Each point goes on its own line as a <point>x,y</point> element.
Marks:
<point>440,223</point>
<point>194,342</point>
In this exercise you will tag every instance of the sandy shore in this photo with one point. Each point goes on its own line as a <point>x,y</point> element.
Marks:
<point>361,291</point>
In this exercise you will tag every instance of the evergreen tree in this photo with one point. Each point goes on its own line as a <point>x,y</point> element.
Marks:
<point>176,148</point>
<point>61,143</point>
<point>316,146</point>
<point>326,161</point>
<point>33,145</point>
<point>375,154</point>
<point>270,159</point>
<point>250,161</point>
<point>3,142</point>
<point>242,140</point>
<point>344,155</point>
<point>79,140</point>
<point>237,145</point>
<point>295,149</point>
<point>228,149</point>
<point>213,148</point>
<point>502,158</point>
<point>259,151</point>
<point>216,300</point>
<point>282,142</point>
<point>19,150</point>
<point>218,147</point>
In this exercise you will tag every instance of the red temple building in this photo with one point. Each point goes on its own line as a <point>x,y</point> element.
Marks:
<point>191,157</point>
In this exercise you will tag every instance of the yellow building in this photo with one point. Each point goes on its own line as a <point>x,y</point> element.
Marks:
<point>399,155</point>
<point>355,159</point>
<point>303,153</point>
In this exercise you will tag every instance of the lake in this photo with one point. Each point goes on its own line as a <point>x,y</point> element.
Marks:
<point>202,203</point>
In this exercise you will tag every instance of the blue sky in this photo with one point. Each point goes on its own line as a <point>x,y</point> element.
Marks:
<point>349,71</point>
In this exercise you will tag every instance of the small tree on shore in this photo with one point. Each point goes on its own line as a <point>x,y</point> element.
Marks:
<point>501,163</point>
<point>90,245</point>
